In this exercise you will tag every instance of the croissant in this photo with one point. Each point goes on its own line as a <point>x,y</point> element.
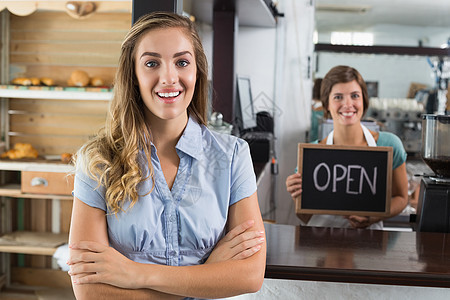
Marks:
<point>21,81</point>
<point>20,150</point>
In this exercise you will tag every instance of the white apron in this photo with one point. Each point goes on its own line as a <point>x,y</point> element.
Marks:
<point>337,220</point>
<point>367,135</point>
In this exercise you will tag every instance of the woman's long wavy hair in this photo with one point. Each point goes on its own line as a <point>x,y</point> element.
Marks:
<point>112,157</point>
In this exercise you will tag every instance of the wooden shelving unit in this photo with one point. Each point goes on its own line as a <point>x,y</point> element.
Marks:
<point>42,243</point>
<point>2,281</point>
<point>27,249</point>
<point>14,191</point>
<point>55,120</point>
<point>35,165</point>
<point>45,213</point>
<point>31,93</point>
<point>38,284</point>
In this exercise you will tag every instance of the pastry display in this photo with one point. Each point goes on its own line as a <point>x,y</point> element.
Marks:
<point>97,81</point>
<point>33,81</point>
<point>47,81</point>
<point>20,150</point>
<point>66,157</point>
<point>21,81</point>
<point>78,78</point>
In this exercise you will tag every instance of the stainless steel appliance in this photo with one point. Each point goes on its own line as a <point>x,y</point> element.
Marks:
<point>401,117</point>
<point>436,144</point>
<point>433,211</point>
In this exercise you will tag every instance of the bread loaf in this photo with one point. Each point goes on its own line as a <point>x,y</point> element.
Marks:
<point>20,150</point>
<point>97,81</point>
<point>66,158</point>
<point>21,81</point>
<point>47,81</point>
<point>35,81</point>
<point>78,78</point>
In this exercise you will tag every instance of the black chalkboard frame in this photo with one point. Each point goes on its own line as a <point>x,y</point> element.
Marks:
<point>386,152</point>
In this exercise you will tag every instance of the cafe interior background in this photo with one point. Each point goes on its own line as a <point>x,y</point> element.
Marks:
<point>400,45</point>
<point>282,63</point>
<point>413,24</point>
<point>282,59</point>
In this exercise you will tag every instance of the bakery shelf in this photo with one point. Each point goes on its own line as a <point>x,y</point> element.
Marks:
<point>56,279</point>
<point>12,292</point>
<point>35,165</point>
<point>2,281</point>
<point>26,242</point>
<point>56,93</point>
<point>14,191</point>
<point>10,190</point>
<point>24,249</point>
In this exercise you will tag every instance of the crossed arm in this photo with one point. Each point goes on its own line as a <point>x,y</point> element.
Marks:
<point>236,265</point>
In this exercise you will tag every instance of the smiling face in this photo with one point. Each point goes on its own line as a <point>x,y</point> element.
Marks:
<point>345,103</point>
<point>166,71</point>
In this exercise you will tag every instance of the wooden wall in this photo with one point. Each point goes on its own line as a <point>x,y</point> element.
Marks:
<point>55,126</point>
<point>53,44</point>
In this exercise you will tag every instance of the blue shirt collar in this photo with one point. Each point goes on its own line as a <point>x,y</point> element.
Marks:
<point>190,141</point>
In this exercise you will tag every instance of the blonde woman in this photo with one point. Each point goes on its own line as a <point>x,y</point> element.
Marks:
<point>163,207</point>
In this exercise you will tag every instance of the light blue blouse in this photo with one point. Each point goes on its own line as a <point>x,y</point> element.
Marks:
<point>179,226</point>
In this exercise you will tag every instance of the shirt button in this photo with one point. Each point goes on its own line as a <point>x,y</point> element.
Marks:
<point>172,219</point>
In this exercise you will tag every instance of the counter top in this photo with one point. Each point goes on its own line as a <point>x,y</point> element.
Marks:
<point>358,256</point>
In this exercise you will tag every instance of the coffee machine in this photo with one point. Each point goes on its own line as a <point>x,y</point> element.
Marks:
<point>403,117</point>
<point>433,211</point>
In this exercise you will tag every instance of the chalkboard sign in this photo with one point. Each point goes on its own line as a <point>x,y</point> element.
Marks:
<point>344,180</point>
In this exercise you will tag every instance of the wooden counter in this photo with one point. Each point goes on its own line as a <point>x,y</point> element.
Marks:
<point>358,256</point>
